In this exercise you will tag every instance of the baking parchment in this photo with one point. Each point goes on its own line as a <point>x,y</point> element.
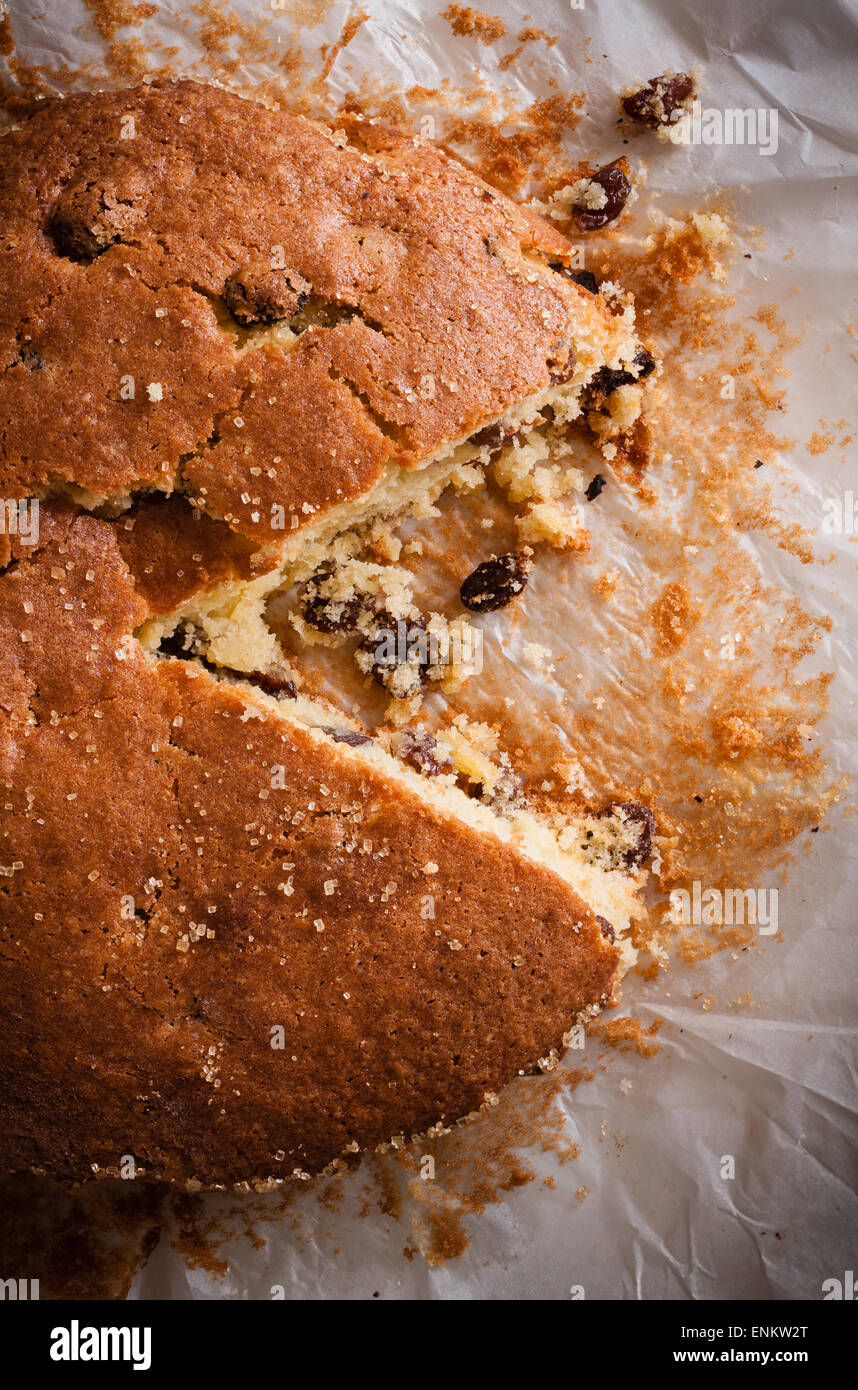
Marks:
<point>643,1211</point>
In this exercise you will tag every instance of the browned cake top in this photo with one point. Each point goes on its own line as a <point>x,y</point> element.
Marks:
<point>182,871</point>
<point>150,238</point>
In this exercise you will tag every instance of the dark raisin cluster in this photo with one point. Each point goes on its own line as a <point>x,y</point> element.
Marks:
<point>396,653</point>
<point>496,582</point>
<point>419,749</point>
<point>325,613</point>
<point>88,218</point>
<point>657,103</point>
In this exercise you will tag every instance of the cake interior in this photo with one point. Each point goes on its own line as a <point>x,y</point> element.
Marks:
<point>231,616</point>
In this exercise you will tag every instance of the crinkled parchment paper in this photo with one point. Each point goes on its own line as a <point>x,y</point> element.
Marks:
<point>705,1147</point>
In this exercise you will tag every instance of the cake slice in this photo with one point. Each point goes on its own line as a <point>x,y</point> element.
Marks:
<point>240,941</point>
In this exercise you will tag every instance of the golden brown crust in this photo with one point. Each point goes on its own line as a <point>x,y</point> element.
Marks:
<point>184,871</point>
<point>309,467</point>
<point>174,552</point>
<point>431,305</point>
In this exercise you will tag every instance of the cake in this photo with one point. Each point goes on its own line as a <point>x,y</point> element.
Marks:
<point>242,940</point>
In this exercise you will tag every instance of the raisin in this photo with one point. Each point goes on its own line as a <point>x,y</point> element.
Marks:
<point>562,372</point>
<point>617,187</point>
<point>256,293</point>
<point>419,750</point>
<point>607,379</point>
<point>395,652</point>
<point>644,819</point>
<point>274,681</point>
<point>585,278</point>
<point>496,582</point>
<point>88,219</point>
<point>349,736</point>
<point>658,101</point>
<point>324,613</point>
<point>595,488</point>
<point>493,437</point>
<point>505,794</point>
<point>645,363</point>
<point>186,641</point>
<point>606,929</point>
<point>333,615</point>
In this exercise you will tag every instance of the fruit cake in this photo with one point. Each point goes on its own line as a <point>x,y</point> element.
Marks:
<point>241,940</point>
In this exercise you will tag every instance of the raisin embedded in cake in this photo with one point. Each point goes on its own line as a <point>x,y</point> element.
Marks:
<point>262,293</point>
<point>662,103</point>
<point>600,198</point>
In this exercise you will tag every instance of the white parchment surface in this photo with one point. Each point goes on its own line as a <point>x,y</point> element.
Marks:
<point>774,1085</point>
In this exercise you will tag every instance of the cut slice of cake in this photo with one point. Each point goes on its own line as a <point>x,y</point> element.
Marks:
<point>239,941</point>
<point>299,329</point>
